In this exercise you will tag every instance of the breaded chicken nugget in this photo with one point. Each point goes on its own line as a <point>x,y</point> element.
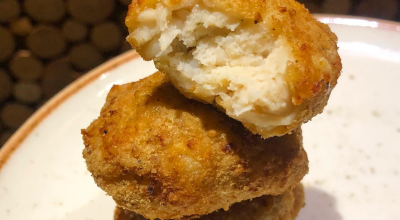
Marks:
<point>162,155</point>
<point>267,63</point>
<point>282,207</point>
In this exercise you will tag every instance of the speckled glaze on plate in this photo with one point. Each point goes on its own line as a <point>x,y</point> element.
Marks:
<point>353,147</point>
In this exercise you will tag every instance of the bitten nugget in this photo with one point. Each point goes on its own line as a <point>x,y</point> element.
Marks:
<point>162,155</point>
<point>268,64</point>
<point>282,207</point>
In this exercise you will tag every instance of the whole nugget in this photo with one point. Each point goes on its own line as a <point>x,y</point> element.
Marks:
<point>281,207</point>
<point>162,155</point>
<point>266,63</point>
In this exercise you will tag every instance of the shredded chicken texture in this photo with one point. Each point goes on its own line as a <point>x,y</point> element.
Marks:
<point>162,155</point>
<point>268,64</point>
<point>281,207</point>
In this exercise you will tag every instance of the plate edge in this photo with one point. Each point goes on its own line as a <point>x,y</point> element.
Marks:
<point>19,136</point>
<point>362,21</point>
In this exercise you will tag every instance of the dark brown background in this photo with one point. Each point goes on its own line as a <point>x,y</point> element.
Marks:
<point>47,44</point>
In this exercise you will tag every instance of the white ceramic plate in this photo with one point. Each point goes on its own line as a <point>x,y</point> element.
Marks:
<point>354,147</point>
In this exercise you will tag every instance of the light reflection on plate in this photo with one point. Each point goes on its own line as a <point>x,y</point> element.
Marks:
<point>358,22</point>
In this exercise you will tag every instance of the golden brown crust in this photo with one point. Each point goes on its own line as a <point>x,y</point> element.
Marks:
<point>317,66</point>
<point>299,201</point>
<point>164,156</point>
<point>281,207</point>
<point>311,40</point>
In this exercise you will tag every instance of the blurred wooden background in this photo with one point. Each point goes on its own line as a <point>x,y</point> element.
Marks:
<point>47,44</point>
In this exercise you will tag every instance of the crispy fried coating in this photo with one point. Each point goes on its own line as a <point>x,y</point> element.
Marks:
<point>281,207</point>
<point>162,155</point>
<point>268,64</point>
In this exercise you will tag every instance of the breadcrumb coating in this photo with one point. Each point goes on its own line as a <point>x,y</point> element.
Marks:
<point>162,155</point>
<point>281,207</point>
<point>266,63</point>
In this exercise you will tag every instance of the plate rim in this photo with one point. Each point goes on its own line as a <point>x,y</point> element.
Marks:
<point>349,20</point>
<point>19,136</point>
<point>33,121</point>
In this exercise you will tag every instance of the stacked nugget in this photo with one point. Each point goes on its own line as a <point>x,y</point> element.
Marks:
<point>266,66</point>
<point>282,207</point>
<point>164,156</point>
